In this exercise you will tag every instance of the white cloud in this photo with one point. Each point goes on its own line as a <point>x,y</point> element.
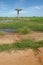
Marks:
<point>2,5</point>
<point>30,11</point>
<point>37,7</point>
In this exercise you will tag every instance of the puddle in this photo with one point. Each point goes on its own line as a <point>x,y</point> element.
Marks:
<point>6,30</point>
<point>6,20</point>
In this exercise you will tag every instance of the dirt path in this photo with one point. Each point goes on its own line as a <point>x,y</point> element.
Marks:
<point>22,57</point>
<point>11,38</point>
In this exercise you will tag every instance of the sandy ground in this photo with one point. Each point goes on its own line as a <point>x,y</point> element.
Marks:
<point>9,38</point>
<point>22,57</point>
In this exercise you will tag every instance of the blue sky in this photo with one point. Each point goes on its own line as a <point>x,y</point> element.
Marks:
<point>30,7</point>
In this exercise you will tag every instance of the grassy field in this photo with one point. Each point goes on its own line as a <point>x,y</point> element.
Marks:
<point>34,24</point>
<point>25,44</point>
<point>22,26</point>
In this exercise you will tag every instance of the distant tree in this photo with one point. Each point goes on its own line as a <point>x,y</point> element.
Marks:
<point>18,10</point>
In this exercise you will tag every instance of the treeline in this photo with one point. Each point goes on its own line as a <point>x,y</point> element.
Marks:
<point>13,18</point>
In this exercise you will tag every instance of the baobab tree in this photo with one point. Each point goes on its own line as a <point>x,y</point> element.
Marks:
<point>18,10</point>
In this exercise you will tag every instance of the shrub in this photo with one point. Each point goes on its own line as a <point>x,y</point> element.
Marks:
<point>24,30</point>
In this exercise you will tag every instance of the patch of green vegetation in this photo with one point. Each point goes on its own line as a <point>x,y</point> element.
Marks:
<point>23,30</point>
<point>33,23</point>
<point>25,44</point>
<point>2,33</point>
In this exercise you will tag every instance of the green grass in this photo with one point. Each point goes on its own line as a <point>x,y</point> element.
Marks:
<point>2,33</point>
<point>25,44</point>
<point>22,26</point>
<point>24,30</point>
<point>33,23</point>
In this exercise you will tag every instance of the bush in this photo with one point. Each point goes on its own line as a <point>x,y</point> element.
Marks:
<point>24,30</point>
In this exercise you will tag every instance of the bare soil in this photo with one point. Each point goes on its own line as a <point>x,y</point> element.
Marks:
<point>9,38</point>
<point>22,57</point>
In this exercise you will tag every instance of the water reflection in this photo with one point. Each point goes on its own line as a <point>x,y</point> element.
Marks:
<point>6,30</point>
<point>5,20</point>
